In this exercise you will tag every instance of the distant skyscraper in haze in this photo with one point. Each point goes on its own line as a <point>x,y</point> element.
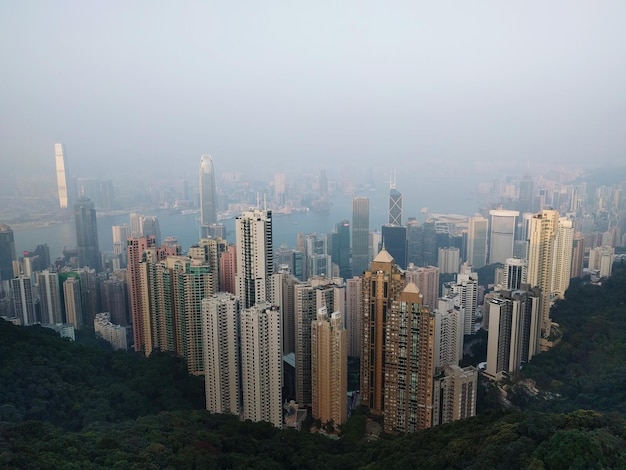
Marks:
<point>208,194</point>
<point>340,248</point>
<point>87,234</point>
<point>62,177</point>
<point>255,256</point>
<point>395,207</point>
<point>502,235</point>
<point>360,234</point>
<point>477,241</point>
<point>7,252</point>
<point>150,226</point>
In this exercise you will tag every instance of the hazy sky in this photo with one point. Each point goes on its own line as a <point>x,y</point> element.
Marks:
<point>264,84</point>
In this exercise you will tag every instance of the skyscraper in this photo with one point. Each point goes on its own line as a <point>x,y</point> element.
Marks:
<point>515,273</point>
<point>354,311</point>
<point>7,252</point>
<point>87,234</point>
<point>477,241</point>
<point>543,228</point>
<point>329,367</point>
<point>49,297</point>
<point>360,234</point>
<point>409,363</point>
<point>208,194</point>
<point>426,278</point>
<point>255,261</point>
<point>150,226</point>
<point>563,248</point>
<point>309,297</point>
<point>73,302</point>
<point>24,296</point>
<point>382,285</point>
<point>340,248</point>
<point>136,246</point>
<point>62,180</point>
<point>502,235</point>
<point>395,242</point>
<point>395,207</point>
<point>261,364</point>
<point>220,323</point>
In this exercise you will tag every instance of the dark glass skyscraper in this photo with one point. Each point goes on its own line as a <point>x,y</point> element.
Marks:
<point>87,234</point>
<point>394,240</point>
<point>360,235</point>
<point>7,252</point>
<point>340,249</point>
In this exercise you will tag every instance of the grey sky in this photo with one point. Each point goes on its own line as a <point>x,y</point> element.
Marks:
<point>261,84</point>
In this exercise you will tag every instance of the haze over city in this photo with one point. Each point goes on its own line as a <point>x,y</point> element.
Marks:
<point>436,88</point>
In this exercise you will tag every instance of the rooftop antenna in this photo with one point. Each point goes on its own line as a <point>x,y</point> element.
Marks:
<point>258,203</point>
<point>264,201</point>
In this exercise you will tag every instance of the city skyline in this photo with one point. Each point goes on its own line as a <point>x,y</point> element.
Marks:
<point>428,88</point>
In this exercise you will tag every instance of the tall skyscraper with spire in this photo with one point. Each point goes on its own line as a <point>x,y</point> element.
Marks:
<point>61,167</point>
<point>208,195</point>
<point>255,258</point>
<point>360,234</point>
<point>395,206</point>
<point>87,234</point>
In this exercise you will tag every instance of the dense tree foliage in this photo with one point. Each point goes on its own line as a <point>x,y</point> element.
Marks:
<point>67,405</point>
<point>197,439</point>
<point>46,378</point>
<point>587,369</point>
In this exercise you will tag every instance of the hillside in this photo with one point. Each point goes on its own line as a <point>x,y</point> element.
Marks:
<point>65,405</point>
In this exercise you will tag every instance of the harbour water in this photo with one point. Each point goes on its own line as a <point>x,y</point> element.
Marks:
<point>285,227</point>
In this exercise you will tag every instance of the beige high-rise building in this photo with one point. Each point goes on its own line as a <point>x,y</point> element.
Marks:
<point>329,368</point>
<point>455,394</point>
<point>73,302</point>
<point>541,250</point>
<point>562,268</point>
<point>318,292</point>
<point>261,364</point>
<point>220,324</point>
<point>449,326</point>
<point>409,367</point>
<point>382,284</point>
<point>426,278</point>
